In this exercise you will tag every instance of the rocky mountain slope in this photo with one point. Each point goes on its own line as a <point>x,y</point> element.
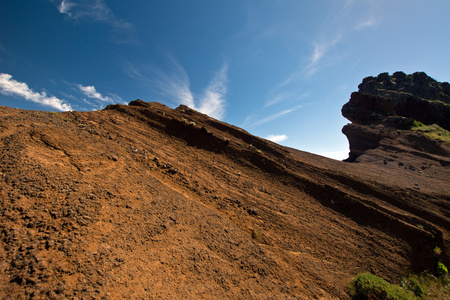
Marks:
<point>141,201</point>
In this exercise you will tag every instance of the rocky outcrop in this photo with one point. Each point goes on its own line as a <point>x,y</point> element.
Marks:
<point>385,106</point>
<point>414,97</point>
<point>418,84</point>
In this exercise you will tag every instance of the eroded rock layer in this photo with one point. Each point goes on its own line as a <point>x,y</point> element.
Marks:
<point>385,109</point>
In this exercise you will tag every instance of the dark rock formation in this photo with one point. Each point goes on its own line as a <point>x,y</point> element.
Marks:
<point>385,105</point>
<point>415,97</point>
<point>418,84</point>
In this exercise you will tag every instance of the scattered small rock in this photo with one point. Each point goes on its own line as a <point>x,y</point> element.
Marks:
<point>113,157</point>
<point>172,171</point>
<point>205,131</point>
<point>252,211</point>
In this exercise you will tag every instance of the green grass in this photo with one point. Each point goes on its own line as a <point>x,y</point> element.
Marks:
<point>432,131</point>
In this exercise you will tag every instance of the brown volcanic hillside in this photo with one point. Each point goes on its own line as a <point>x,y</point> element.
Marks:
<point>147,202</point>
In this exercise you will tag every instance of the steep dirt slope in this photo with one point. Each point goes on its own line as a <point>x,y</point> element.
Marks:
<point>143,201</point>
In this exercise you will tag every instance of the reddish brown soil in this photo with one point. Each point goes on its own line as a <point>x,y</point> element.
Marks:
<point>146,202</point>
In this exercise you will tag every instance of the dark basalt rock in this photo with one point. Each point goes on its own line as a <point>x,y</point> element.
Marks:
<point>417,96</point>
<point>418,84</point>
<point>393,101</point>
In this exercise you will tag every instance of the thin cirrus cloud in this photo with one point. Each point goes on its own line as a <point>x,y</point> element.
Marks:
<point>65,6</point>
<point>251,122</point>
<point>332,32</point>
<point>177,86</point>
<point>282,95</point>
<point>368,22</point>
<point>213,100</point>
<point>173,84</point>
<point>11,87</point>
<point>97,11</point>
<point>320,49</point>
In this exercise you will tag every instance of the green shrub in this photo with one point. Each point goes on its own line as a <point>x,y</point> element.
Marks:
<point>437,251</point>
<point>442,269</point>
<point>369,286</point>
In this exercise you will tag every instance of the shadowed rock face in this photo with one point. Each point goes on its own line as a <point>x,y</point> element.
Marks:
<point>385,103</point>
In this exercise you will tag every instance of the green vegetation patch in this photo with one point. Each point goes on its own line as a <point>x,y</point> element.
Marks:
<point>423,286</point>
<point>432,131</point>
<point>442,269</point>
<point>369,286</point>
<point>427,286</point>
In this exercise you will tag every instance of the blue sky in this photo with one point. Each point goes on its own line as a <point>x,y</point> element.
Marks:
<point>279,69</point>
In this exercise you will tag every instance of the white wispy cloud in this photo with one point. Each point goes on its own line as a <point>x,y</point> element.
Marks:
<point>314,61</point>
<point>277,137</point>
<point>65,6</point>
<point>278,97</point>
<point>91,92</point>
<point>11,87</point>
<point>251,122</point>
<point>173,84</point>
<point>370,21</point>
<point>97,11</point>
<point>213,100</point>
<point>132,71</point>
<point>284,95</point>
<point>320,49</point>
<point>318,52</point>
<point>335,30</point>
